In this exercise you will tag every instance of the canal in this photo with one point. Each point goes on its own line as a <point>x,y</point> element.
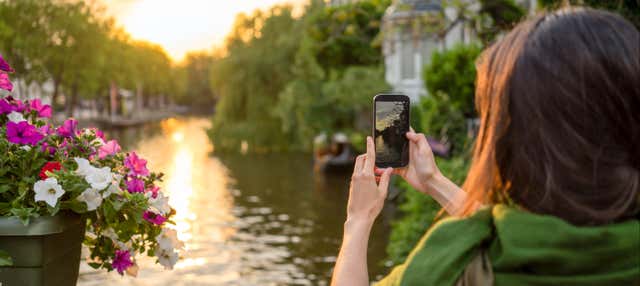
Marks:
<point>245,219</point>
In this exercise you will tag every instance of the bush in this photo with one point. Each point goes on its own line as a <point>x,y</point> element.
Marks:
<point>441,119</point>
<point>454,72</point>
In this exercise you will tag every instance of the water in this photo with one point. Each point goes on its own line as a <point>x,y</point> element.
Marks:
<point>246,220</point>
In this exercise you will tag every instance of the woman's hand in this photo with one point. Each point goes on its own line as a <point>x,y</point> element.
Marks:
<point>423,174</point>
<point>366,197</point>
<point>422,168</point>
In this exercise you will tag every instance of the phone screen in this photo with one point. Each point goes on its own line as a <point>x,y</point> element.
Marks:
<point>391,126</point>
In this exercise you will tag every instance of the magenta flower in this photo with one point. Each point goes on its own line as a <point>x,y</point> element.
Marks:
<point>154,191</point>
<point>43,110</point>
<point>4,66</point>
<point>23,133</point>
<point>135,186</point>
<point>136,165</point>
<point>108,149</point>
<point>122,261</point>
<point>18,105</point>
<point>98,133</point>
<point>5,107</point>
<point>46,129</point>
<point>68,128</point>
<point>153,218</point>
<point>46,148</point>
<point>5,83</point>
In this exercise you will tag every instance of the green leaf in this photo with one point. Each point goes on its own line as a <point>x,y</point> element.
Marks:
<point>5,258</point>
<point>4,188</point>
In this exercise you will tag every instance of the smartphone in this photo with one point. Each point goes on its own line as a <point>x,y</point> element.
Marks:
<point>390,126</point>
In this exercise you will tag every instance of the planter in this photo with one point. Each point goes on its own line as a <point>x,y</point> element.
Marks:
<point>46,252</point>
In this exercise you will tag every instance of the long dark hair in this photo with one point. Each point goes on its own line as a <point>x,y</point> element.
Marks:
<point>559,102</point>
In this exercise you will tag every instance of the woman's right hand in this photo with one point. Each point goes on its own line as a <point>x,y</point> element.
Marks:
<point>422,168</point>
<point>423,174</point>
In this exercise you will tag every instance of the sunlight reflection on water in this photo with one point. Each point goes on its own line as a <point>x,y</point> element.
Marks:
<point>243,221</point>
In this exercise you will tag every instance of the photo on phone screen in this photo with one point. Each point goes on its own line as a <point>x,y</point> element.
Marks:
<point>390,127</point>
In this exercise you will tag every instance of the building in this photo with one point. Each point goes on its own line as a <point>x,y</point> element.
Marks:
<point>413,30</point>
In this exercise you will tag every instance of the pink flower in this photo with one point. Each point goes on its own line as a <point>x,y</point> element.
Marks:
<point>153,218</point>
<point>44,110</point>
<point>68,128</point>
<point>5,83</point>
<point>46,130</point>
<point>136,165</point>
<point>108,149</point>
<point>23,133</point>
<point>135,186</point>
<point>122,261</point>
<point>4,66</point>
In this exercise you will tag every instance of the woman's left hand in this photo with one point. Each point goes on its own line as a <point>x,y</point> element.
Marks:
<point>366,197</point>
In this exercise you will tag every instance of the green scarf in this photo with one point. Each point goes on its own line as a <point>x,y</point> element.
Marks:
<point>524,249</point>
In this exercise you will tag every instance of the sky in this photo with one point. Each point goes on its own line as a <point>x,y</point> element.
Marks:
<point>181,26</point>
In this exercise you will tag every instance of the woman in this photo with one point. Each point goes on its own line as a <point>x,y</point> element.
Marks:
<point>553,193</point>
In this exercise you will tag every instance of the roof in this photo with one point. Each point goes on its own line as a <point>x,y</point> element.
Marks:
<point>411,8</point>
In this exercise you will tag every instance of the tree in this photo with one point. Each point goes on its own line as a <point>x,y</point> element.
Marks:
<point>629,9</point>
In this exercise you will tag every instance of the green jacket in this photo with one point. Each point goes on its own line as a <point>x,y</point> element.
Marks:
<point>506,246</point>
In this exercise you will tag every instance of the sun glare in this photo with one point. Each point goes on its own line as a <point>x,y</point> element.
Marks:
<point>186,25</point>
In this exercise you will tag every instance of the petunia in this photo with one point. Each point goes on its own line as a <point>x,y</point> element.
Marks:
<point>135,185</point>
<point>122,261</point>
<point>108,149</point>
<point>23,133</point>
<point>5,106</point>
<point>16,117</point>
<point>91,197</point>
<point>168,239</point>
<point>4,66</point>
<point>99,178</point>
<point>49,167</point>
<point>136,165</point>
<point>5,83</point>
<point>43,110</point>
<point>46,148</point>
<point>167,258</point>
<point>154,218</point>
<point>84,167</point>
<point>48,191</point>
<point>68,128</point>
<point>159,202</point>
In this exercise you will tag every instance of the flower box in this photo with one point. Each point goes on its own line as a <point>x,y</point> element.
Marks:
<point>45,252</point>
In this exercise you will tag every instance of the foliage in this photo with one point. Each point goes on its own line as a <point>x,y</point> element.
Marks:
<point>420,211</point>
<point>46,170</point>
<point>279,99</point>
<point>440,118</point>
<point>196,71</point>
<point>250,78</point>
<point>629,9</point>
<point>453,72</point>
<point>78,48</point>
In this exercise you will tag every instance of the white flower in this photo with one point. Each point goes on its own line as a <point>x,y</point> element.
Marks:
<point>167,258</point>
<point>168,240</point>
<point>99,178</point>
<point>26,148</point>
<point>48,191</point>
<point>160,203</point>
<point>84,167</point>
<point>112,189</point>
<point>91,197</point>
<point>16,117</point>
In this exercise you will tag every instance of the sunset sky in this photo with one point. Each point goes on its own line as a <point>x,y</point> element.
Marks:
<point>185,25</point>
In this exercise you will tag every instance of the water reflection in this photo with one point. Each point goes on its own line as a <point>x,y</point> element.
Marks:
<point>246,220</point>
